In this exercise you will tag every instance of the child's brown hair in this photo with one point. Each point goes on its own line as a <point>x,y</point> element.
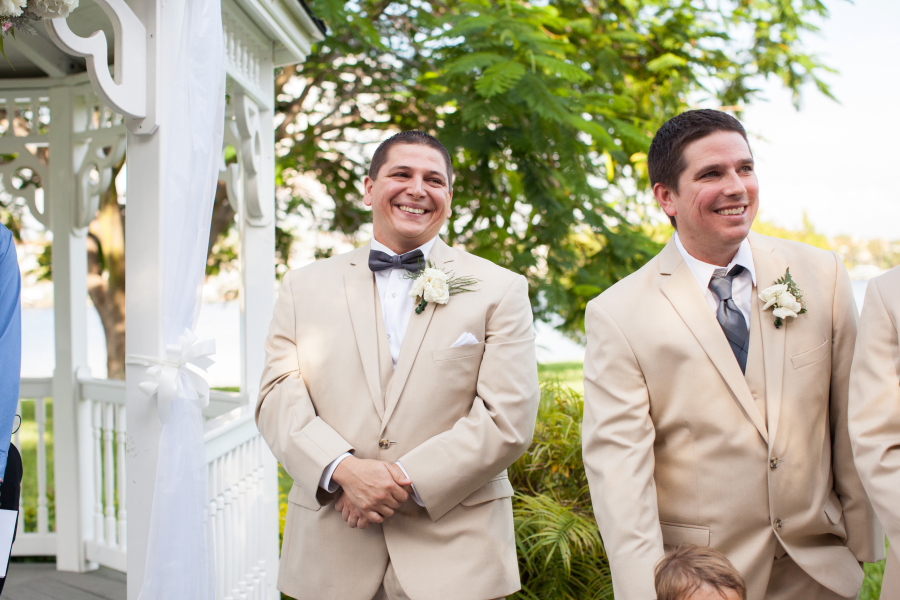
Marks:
<point>684,571</point>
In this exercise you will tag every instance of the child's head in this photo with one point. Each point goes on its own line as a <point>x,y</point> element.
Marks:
<point>698,573</point>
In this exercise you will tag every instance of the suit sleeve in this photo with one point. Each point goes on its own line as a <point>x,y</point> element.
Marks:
<point>875,409</point>
<point>499,427</point>
<point>618,437</point>
<point>865,537</point>
<point>300,440</point>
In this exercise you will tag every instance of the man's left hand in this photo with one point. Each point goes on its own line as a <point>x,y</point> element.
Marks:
<point>351,515</point>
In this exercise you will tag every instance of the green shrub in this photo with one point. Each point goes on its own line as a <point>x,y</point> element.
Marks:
<point>561,556</point>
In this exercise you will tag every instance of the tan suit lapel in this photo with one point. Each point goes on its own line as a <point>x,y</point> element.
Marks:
<point>415,333</point>
<point>770,267</point>
<point>359,284</point>
<point>681,289</point>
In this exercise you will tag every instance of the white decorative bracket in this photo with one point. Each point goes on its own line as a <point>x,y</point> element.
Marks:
<point>100,158</point>
<point>256,208</point>
<point>9,171</point>
<point>126,93</point>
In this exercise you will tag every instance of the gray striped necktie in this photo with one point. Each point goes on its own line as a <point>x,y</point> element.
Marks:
<point>728,314</point>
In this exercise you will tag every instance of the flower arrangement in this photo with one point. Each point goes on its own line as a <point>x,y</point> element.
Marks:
<point>435,285</point>
<point>20,15</point>
<point>785,298</point>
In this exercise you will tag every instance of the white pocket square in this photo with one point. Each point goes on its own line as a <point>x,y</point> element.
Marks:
<point>465,339</point>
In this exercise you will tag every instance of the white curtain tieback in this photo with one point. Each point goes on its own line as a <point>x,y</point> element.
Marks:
<point>181,374</point>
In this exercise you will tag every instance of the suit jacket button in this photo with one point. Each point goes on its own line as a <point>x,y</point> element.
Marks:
<point>384,444</point>
<point>773,463</point>
<point>778,523</point>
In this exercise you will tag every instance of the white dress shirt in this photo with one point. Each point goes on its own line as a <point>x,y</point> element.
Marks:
<point>396,307</point>
<point>742,285</point>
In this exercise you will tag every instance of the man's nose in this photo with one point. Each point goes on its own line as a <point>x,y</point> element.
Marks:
<point>417,187</point>
<point>734,185</point>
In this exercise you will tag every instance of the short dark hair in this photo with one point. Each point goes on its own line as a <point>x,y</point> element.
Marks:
<point>409,137</point>
<point>686,569</point>
<point>665,161</point>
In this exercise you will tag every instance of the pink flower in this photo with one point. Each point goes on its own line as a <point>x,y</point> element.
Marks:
<point>7,26</point>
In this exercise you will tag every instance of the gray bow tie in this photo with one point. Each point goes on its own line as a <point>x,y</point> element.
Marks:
<point>729,316</point>
<point>411,261</point>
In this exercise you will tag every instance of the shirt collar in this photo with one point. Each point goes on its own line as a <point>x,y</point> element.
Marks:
<point>425,248</point>
<point>703,272</point>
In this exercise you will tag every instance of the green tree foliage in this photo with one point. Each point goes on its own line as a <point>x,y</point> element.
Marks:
<point>548,109</point>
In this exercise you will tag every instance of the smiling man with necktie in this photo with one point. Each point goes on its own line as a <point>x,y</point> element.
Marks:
<point>716,383</point>
<point>400,383</point>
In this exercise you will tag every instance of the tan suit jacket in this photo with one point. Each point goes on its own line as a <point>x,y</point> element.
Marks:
<point>875,409</point>
<point>456,418</point>
<point>677,449</point>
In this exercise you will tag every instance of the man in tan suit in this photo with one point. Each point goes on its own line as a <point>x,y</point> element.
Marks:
<point>398,421</point>
<point>875,411</point>
<point>706,423</point>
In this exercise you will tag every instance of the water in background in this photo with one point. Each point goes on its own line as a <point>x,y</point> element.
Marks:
<point>220,321</point>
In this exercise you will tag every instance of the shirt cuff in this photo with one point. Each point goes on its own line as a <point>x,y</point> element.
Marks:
<point>325,481</point>
<point>415,492</point>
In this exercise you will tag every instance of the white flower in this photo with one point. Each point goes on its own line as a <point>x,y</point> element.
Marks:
<point>789,302</point>
<point>782,312</point>
<point>431,286</point>
<point>770,294</point>
<point>51,9</point>
<point>11,8</point>
<point>437,291</point>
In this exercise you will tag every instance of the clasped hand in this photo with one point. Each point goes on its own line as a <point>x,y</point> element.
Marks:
<point>372,490</point>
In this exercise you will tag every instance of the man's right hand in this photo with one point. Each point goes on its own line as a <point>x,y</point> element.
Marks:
<point>371,486</point>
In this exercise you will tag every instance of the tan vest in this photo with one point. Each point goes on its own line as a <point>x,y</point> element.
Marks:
<point>385,361</point>
<point>756,369</point>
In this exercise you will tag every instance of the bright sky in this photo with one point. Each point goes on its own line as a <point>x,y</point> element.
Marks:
<point>838,162</point>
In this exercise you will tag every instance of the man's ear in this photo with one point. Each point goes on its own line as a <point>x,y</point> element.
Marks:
<point>665,198</point>
<point>368,183</point>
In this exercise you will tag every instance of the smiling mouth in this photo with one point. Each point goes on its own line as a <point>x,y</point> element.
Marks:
<point>412,210</point>
<point>731,211</point>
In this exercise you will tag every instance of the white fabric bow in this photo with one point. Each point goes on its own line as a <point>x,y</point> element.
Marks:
<point>181,374</point>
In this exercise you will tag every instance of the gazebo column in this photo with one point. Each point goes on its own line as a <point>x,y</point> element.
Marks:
<point>71,417</point>
<point>144,285</point>
<point>257,255</point>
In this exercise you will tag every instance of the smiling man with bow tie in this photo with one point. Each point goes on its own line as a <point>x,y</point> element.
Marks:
<point>397,416</point>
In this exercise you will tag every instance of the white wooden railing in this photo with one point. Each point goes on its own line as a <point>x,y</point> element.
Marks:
<point>41,541</point>
<point>235,454</point>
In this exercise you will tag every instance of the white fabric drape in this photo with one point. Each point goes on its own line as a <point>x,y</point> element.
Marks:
<point>180,559</point>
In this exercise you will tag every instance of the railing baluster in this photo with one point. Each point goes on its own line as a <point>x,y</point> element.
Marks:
<point>229,529</point>
<point>220,528</point>
<point>43,512</point>
<point>97,425</point>
<point>122,516</point>
<point>109,474</point>
<point>241,528</point>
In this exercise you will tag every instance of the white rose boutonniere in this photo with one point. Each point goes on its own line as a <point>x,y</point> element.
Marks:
<point>784,298</point>
<point>436,285</point>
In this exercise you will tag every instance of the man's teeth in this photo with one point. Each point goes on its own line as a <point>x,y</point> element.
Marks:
<point>415,211</point>
<point>732,211</point>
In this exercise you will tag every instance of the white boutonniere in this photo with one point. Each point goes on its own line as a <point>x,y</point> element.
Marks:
<point>436,285</point>
<point>785,299</point>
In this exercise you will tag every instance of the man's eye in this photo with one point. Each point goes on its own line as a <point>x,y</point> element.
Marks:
<point>710,174</point>
<point>747,169</point>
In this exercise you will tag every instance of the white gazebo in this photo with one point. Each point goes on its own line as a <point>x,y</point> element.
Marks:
<point>74,101</point>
